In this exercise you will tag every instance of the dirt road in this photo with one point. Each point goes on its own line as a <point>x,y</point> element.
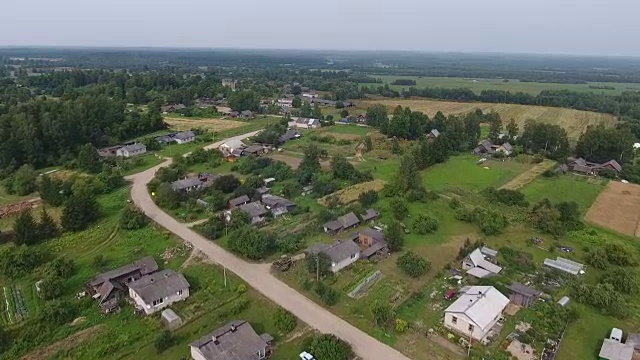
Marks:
<point>259,277</point>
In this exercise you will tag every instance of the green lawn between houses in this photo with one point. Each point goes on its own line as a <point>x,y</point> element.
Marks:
<point>582,190</point>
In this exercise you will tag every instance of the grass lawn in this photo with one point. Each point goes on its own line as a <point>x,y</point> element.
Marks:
<point>565,188</point>
<point>6,198</point>
<point>349,129</point>
<point>512,85</point>
<point>463,171</point>
<point>142,163</point>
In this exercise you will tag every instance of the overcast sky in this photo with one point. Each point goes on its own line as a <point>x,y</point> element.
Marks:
<point>595,27</point>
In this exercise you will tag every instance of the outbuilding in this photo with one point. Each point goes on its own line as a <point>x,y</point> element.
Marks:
<point>171,319</point>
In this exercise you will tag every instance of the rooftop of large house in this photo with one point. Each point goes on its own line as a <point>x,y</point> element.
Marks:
<point>184,135</point>
<point>237,340</point>
<point>338,251</point>
<point>253,209</point>
<point>239,201</point>
<point>134,147</point>
<point>159,285</point>
<point>482,304</point>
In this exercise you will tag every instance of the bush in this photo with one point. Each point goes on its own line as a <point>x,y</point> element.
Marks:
<point>329,347</point>
<point>368,198</point>
<point>382,313</point>
<point>506,196</point>
<point>132,218</point>
<point>425,224</point>
<point>163,341</point>
<point>285,321</point>
<point>327,294</point>
<point>401,326</point>
<point>413,265</point>
<point>51,287</point>
<point>57,312</point>
<point>399,208</point>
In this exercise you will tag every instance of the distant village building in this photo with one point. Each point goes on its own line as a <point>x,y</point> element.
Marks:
<point>230,83</point>
<point>185,137</point>
<point>131,150</point>
<point>343,222</point>
<point>236,340</point>
<point>342,253</point>
<point>306,123</point>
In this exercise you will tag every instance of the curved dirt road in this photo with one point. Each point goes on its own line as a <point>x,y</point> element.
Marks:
<point>259,277</point>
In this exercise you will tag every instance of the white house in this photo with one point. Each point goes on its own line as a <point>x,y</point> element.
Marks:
<point>131,150</point>
<point>285,103</point>
<point>306,123</point>
<point>185,137</point>
<point>477,264</point>
<point>232,145</point>
<point>310,95</point>
<point>156,291</point>
<point>342,253</point>
<point>476,311</point>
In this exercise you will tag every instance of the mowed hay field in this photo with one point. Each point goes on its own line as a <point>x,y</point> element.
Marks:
<point>574,121</point>
<point>617,208</point>
<point>181,124</point>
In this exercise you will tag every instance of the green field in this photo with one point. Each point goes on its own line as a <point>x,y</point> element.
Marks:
<point>479,84</point>
<point>464,171</point>
<point>565,188</point>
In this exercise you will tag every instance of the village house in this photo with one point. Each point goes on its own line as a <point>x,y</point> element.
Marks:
<point>131,150</point>
<point>246,114</point>
<point>244,199</point>
<point>288,135</point>
<point>184,137</point>
<point>342,253</point>
<point>285,103</point>
<point>475,312</point>
<point>362,119</point>
<point>205,102</point>
<point>522,295</point>
<point>278,205</point>
<point>172,108</point>
<point>432,135</point>
<point>582,167</point>
<point>306,123</point>
<point>190,183</point>
<point>255,210</point>
<point>489,148</point>
<point>373,243</point>
<point>370,215</point>
<point>236,340</point>
<point>254,150</point>
<point>158,290</point>
<point>232,146</point>
<point>614,349</point>
<point>107,287</point>
<point>310,95</point>
<point>480,263</point>
<point>230,83</point>
<point>109,151</point>
<point>343,222</point>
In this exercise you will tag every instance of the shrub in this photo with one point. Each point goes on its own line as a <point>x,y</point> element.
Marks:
<point>163,341</point>
<point>506,196</point>
<point>328,346</point>
<point>425,224</point>
<point>413,265</point>
<point>401,326</point>
<point>51,287</point>
<point>285,321</point>
<point>382,313</point>
<point>368,198</point>
<point>131,218</point>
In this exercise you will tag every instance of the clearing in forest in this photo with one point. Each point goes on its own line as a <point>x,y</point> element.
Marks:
<point>574,121</point>
<point>617,208</point>
<point>180,124</point>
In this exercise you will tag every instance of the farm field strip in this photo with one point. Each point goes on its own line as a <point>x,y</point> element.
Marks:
<point>179,123</point>
<point>574,121</point>
<point>617,208</point>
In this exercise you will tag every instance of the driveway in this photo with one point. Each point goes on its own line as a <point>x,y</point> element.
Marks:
<point>259,277</point>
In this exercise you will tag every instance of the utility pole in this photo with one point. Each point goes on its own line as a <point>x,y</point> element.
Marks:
<point>317,267</point>
<point>224,270</point>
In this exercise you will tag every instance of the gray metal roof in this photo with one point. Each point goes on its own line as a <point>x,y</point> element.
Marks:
<point>342,250</point>
<point>186,183</point>
<point>134,147</point>
<point>254,149</point>
<point>523,289</point>
<point>239,201</point>
<point>145,266</point>
<point>374,234</point>
<point>237,340</point>
<point>613,350</point>
<point>185,135</point>
<point>348,220</point>
<point>370,215</point>
<point>333,225</point>
<point>159,285</point>
<point>276,201</point>
<point>253,209</point>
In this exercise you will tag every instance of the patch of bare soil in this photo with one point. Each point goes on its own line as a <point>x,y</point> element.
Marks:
<point>617,208</point>
<point>17,208</point>
<point>180,124</point>
<point>521,351</point>
<point>65,344</point>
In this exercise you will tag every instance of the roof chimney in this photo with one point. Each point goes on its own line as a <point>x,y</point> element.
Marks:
<point>233,328</point>
<point>214,339</point>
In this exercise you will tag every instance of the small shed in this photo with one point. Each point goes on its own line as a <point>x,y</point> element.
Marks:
<point>171,319</point>
<point>522,295</point>
<point>564,301</point>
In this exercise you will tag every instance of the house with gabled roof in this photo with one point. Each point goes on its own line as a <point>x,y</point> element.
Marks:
<point>241,200</point>
<point>131,150</point>
<point>476,311</point>
<point>237,340</point>
<point>154,292</point>
<point>478,263</point>
<point>342,253</point>
<point>432,135</point>
<point>343,222</point>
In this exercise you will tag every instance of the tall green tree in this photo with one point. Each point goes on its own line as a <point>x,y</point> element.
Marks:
<point>23,181</point>
<point>244,100</point>
<point>310,164</point>
<point>394,236</point>
<point>251,242</point>
<point>377,117</point>
<point>306,110</point>
<point>88,159</point>
<point>495,124</point>
<point>512,129</point>
<point>25,230</point>
<point>80,211</point>
<point>47,227</point>
<point>600,144</point>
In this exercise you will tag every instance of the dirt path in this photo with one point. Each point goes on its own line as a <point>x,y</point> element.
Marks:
<point>529,175</point>
<point>65,344</point>
<point>259,276</point>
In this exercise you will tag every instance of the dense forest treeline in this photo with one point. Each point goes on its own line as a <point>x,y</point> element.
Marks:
<point>45,132</point>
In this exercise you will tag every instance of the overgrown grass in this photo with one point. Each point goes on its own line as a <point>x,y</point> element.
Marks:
<point>568,187</point>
